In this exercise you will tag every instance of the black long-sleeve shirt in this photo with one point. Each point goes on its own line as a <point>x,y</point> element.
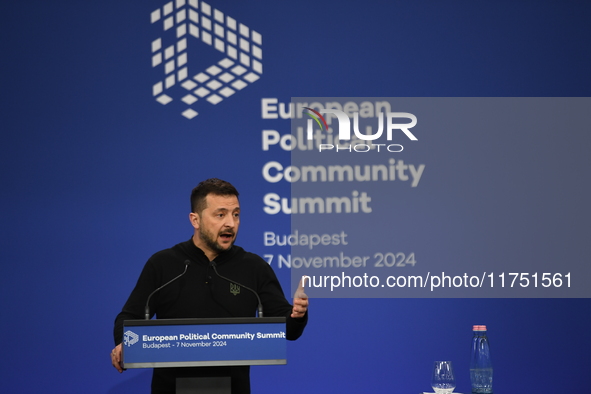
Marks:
<point>200,293</point>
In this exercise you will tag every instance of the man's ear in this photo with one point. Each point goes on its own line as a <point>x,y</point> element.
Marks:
<point>195,220</point>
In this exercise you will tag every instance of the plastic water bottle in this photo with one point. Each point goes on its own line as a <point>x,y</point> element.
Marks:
<point>481,371</point>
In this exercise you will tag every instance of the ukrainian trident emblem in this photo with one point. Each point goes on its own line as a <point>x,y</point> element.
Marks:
<point>234,289</point>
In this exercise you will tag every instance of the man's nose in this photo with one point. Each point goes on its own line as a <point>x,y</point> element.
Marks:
<point>230,221</point>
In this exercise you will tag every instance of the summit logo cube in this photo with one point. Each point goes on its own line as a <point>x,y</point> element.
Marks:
<point>190,26</point>
<point>130,338</point>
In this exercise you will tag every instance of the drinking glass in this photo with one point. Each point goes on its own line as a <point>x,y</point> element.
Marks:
<point>444,381</point>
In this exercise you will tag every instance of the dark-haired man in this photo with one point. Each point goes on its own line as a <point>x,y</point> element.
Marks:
<point>215,216</point>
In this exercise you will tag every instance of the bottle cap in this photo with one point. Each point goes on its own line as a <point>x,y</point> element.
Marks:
<point>479,328</point>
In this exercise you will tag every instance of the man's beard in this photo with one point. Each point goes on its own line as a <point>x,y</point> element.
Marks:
<point>211,242</point>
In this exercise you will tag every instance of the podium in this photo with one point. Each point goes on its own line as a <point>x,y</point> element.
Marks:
<point>163,343</point>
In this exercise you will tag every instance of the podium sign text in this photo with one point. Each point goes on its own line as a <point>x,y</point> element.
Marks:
<point>204,342</point>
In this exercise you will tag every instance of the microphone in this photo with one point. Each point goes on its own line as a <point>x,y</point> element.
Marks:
<point>212,264</point>
<point>147,308</point>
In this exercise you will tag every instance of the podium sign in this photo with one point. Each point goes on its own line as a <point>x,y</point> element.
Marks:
<point>204,342</point>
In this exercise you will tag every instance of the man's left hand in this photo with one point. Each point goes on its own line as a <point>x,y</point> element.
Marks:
<point>300,301</point>
<point>300,306</point>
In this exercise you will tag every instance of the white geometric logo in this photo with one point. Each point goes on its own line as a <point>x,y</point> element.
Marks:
<point>196,21</point>
<point>130,338</point>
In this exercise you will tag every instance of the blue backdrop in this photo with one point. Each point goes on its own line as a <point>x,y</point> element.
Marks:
<point>96,176</point>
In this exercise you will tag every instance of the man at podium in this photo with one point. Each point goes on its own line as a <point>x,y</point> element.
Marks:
<point>208,260</point>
